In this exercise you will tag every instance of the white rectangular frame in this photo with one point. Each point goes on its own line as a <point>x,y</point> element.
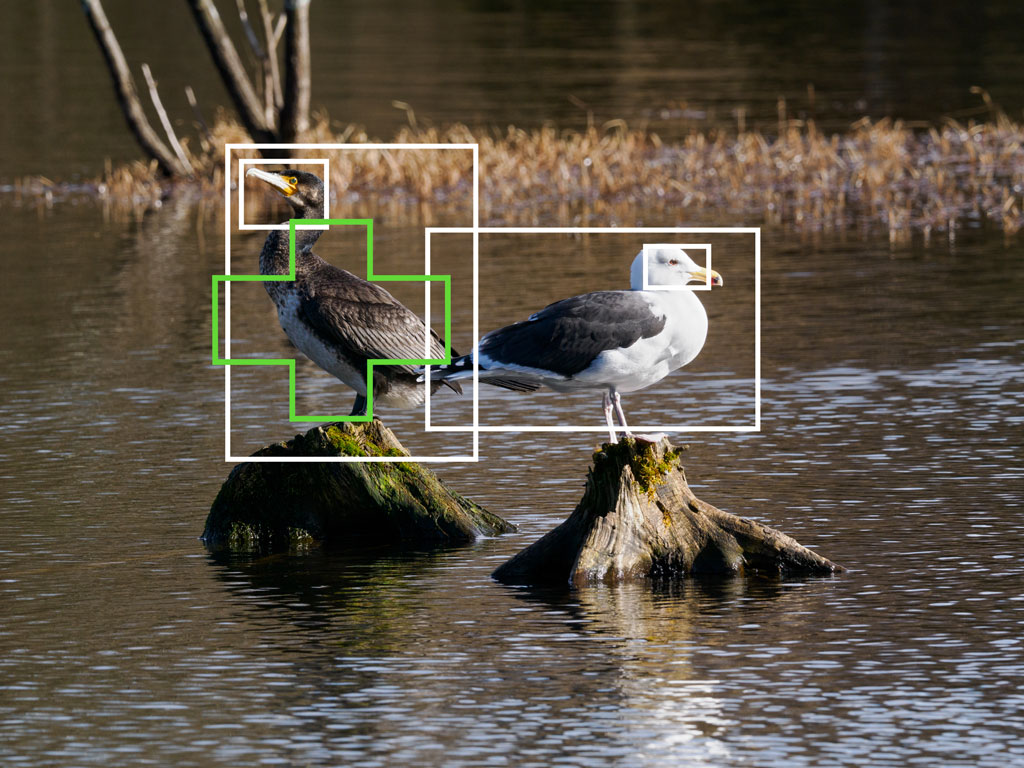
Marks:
<point>244,161</point>
<point>705,286</point>
<point>228,220</point>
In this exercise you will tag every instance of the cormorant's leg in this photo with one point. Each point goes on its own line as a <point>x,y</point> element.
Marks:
<point>622,417</point>
<point>607,404</point>
<point>359,406</point>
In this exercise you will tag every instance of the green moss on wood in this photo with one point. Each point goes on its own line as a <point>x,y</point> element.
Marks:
<point>344,444</point>
<point>298,505</point>
<point>300,539</point>
<point>638,519</point>
<point>649,468</point>
<point>242,537</point>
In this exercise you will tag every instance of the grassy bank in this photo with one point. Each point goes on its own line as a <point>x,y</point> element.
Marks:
<point>882,173</point>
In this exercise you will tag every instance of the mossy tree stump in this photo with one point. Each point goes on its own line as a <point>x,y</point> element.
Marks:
<point>639,519</point>
<point>273,506</point>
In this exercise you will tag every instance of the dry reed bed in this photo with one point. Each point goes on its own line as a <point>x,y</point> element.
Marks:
<point>882,173</point>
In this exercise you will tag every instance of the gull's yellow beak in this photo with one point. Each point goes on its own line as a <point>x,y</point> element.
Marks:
<point>286,185</point>
<point>702,274</point>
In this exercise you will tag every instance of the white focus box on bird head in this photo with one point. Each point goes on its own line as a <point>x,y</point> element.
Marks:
<point>691,249</point>
<point>243,163</point>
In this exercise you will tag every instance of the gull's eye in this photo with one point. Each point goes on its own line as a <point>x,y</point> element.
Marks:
<point>673,262</point>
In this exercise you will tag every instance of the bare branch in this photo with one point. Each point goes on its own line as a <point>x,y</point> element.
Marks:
<point>297,80</point>
<point>272,36</point>
<point>127,96</point>
<point>264,57</point>
<point>250,33</point>
<point>279,29</point>
<point>164,120</point>
<point>204,130</point>
<point>269,108</point>
<point>239,86</point>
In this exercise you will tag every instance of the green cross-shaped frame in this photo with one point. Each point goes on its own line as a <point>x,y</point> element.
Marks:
<point>290,363</point>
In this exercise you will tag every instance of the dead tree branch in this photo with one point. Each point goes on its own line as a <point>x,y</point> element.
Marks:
<point>228,63</point>
<point>250,33</point>
<point>265,57</point>
<point>204,130</point>
<point>279,28</point>
<point>272,37</point>
<point>295,112</point>
<point>127,96</point>
<point>158,105</point>
<point>275,115</point>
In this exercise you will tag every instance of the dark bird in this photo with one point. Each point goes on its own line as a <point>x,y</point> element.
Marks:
<point>613,341</point>
<point>338,320</point>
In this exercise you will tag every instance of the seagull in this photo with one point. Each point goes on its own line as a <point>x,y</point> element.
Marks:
<point>612,341</point>
<point>338,320</point>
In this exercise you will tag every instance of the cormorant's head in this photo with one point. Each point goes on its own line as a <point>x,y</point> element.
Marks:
<point>303,191</point>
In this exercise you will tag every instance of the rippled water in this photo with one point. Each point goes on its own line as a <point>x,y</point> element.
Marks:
<point>893,401</point>
<point>891,442</point>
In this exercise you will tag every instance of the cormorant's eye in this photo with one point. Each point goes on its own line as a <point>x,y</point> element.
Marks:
<point>293,181</point>
<point>672,262</point>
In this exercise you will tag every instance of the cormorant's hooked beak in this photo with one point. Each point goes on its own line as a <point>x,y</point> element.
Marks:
<point>702,274</point>
<point>286,186</point>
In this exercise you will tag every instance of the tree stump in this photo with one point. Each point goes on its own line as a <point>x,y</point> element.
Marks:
<point>274,506</point>
<point>639,519</point>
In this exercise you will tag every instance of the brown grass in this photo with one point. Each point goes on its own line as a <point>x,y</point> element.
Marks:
<point>905,179</point>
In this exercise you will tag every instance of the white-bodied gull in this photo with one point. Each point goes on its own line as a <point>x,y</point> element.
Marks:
<point>613,341</point>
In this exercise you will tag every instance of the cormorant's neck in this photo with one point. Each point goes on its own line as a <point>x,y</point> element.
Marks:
<point>305,239</point>
<point>274,256</point>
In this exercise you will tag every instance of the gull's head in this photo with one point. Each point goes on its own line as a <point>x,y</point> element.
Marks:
<point>303,191</point>
<point>668,265</point>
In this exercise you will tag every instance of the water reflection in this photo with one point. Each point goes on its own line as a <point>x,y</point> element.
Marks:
<point>406,651</point>
<point>892,405</point>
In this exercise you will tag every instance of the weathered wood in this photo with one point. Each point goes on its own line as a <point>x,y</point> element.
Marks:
<point>267,57</point>
<point>272,33</point>
<point>127,96</point>
<point>273,506</point>
<point>250,33</point>
<point>165,121</point>
<point>229,64</point>
<point>205,136</point>
<point>639,519</point>
<point>297,78</point>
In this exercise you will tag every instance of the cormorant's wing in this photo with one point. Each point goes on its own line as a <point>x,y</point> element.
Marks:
<point>365,321</point>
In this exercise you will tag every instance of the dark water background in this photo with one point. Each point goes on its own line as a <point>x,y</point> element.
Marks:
<point>893,414</point>
<point>670,65</point>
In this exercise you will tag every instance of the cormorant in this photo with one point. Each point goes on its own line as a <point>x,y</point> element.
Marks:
<point>335,318</point>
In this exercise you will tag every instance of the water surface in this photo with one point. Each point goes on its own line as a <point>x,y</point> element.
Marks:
<point>892,409</point>
<point>892,401</point>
